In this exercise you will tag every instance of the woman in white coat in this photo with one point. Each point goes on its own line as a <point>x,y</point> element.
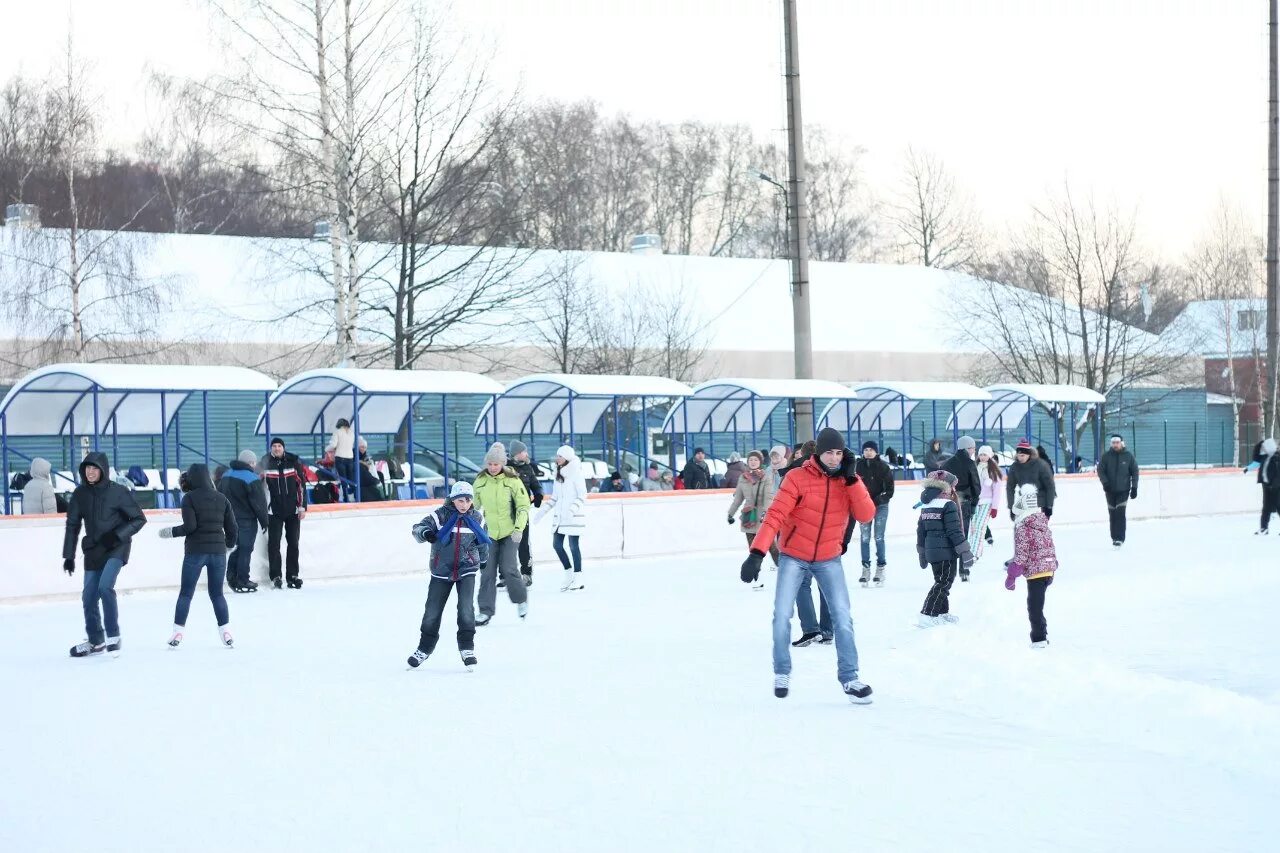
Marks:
<point>568,507</point>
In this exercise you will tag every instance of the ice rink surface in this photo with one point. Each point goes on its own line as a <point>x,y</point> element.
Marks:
<point>638,714</point>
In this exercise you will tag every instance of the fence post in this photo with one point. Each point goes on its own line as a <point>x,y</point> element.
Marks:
<point>1195,444</point>
<point>1166,445</point>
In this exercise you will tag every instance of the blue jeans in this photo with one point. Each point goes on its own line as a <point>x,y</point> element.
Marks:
<point>809,620</point>
<point>882,518</point>
<point>346,469</point>
<point>191,566</point>
<point>557,542</point>
<point>831,582</point>
<point>101,586</point>
<point>240,565</point>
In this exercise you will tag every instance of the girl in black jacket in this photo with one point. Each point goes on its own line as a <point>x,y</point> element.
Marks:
<point>209,526</point>
<point>941,543</point>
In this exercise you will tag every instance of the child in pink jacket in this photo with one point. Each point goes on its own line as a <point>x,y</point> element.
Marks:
<point>992,489</point>
<point>1034,558</point>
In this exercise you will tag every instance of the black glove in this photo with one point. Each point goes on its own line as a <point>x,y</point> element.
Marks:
<point>751,567</point>
<point>1133,493</point>
<point>731,519</point>
<point>924,564</point>
<point>966,561</point>
<point>1048,511</point>
<point>429,535</point>
<point>69,566</point>
<point>1012,517</point>
<point>537,501</point>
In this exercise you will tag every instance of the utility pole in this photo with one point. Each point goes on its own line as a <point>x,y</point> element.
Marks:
<point>1273,232</point>
<point>798,221</point>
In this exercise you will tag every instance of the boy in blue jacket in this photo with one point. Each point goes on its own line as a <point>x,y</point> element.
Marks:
<point>459,547</point>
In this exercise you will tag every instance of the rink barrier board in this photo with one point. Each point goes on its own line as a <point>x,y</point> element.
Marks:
<point>345,541</point>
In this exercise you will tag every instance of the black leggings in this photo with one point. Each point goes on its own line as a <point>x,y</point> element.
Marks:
<point>1270,504</point>
<point>938,599</point>
<point>1036,589</point>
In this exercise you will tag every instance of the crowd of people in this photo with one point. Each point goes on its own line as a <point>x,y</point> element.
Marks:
<point>798,507</point>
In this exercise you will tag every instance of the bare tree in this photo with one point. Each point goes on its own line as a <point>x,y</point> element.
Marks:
<point>1077,274</point>
<point>562,317</point>
<point>934,222</point>
<point>77,292</point>
<point>1223,270</point>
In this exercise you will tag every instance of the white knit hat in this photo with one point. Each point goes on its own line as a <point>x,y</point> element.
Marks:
<point>461,490</point>
<point>1026,501</point>
<point>986,448</point>
<point>567,453</point>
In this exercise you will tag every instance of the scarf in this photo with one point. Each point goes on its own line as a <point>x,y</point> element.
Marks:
<point>450,523</point>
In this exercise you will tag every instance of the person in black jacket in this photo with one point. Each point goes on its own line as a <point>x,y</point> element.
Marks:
<point>243,489</point>
<point>1264,453</point>
<point>878,478</point>
<point>940,543</point>
<point>1027,467</point>
<point>209,526</point>
<point>287,502</point>
<point>529,475</point>
<point>968,484</point>
<point>1118,472</point>
<point>696,474</point>
<point>110,517</point>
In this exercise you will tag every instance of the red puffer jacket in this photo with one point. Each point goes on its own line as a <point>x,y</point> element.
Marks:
<point>811,512</point>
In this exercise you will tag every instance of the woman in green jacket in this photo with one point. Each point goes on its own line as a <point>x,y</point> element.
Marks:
<point>502,497</point>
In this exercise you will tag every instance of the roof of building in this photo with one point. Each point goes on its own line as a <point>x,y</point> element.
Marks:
<point>1216,327</point>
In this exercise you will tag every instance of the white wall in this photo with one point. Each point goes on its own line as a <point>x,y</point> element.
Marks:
<point>373,540</point>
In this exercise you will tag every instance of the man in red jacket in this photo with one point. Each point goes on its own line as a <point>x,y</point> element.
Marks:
<point>810,517</point>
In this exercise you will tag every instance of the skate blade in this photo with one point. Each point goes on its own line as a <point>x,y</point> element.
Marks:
<point>854,700</point>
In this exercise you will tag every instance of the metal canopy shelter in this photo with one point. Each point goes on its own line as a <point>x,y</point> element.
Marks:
<point>888,406</point>
<point>568,404</point>
<point>1012,404</point>
<point>731,405</point>
<point>98,400</point>
<point>374,401</point>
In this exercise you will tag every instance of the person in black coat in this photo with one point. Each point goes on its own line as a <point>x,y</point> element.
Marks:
<point>1029,468</point>
<point>243,489</point>
<point>878,478</point>
<point>1118,471</point>
<point>1269,478</point>
<point>696,474</point>
<point>209,526</point>
<point>941,543</point>
<point>968,485</point>
<point>287,503</point>
<point>529,475</point>
<point>110,518</point>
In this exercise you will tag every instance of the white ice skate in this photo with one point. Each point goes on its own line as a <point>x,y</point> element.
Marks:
<point>568,580</point>
<point>949,618</point>
<point>757,585</point>
<point>113,646</point>
<point>224,635</point>
<point>925,621</point>
<point>523,609</point>
<point>1040,644</point>
<point>176,639</point>
<point>576,582</point>
<point>858,693</point>
<point>878,580</point>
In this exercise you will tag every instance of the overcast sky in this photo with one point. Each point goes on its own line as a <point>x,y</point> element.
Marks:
<point>1157,104</point>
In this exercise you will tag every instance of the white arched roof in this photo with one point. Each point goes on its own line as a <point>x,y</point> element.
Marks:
<point>132,399</point>
<point>549,403</point>
<point>743,405</point>
<point>314,401</point>
<point>887,405</point>
<point>1010,404</point>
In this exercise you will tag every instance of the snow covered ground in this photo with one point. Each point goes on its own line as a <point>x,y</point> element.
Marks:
<point>638,715</point>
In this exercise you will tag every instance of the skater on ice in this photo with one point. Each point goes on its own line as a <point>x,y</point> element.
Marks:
<point>209,526</point>
<point>1268,465</point>
<point>990,498</point>
<point>459,547</point>
<point>287,501</point>
<point>1028,467</point>
<point>243,488</point>
<point>1118,471</point>
<point>753,494</point>
<point>529,475</point>
<point>1034,558</point>
<point>110,518</point>
<point>878,478</point>
<point>941,545</point>
<point>568,507</point>
<point>968,485</point>
<point>501,497</point>
<point>811,513</point>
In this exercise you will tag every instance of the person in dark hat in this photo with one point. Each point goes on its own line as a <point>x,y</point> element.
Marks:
<point>287,502</point>
<point>813,510</point>
<point>1027,467</point>
<point>696,474</point>
<point>878,479</point>
<point>529,474</point>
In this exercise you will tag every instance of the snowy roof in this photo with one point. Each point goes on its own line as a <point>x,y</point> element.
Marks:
<point>313,401</point>
<point>131,399</point>
<point>1010,404</point>
<point>887,405</point>
<point>1216,327</point>
<point>555,403</point>
<point>743,405</point>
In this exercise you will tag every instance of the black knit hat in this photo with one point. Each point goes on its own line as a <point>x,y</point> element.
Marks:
<point>830,439</point>
<point>870,445</point>
<point>279,441</point>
